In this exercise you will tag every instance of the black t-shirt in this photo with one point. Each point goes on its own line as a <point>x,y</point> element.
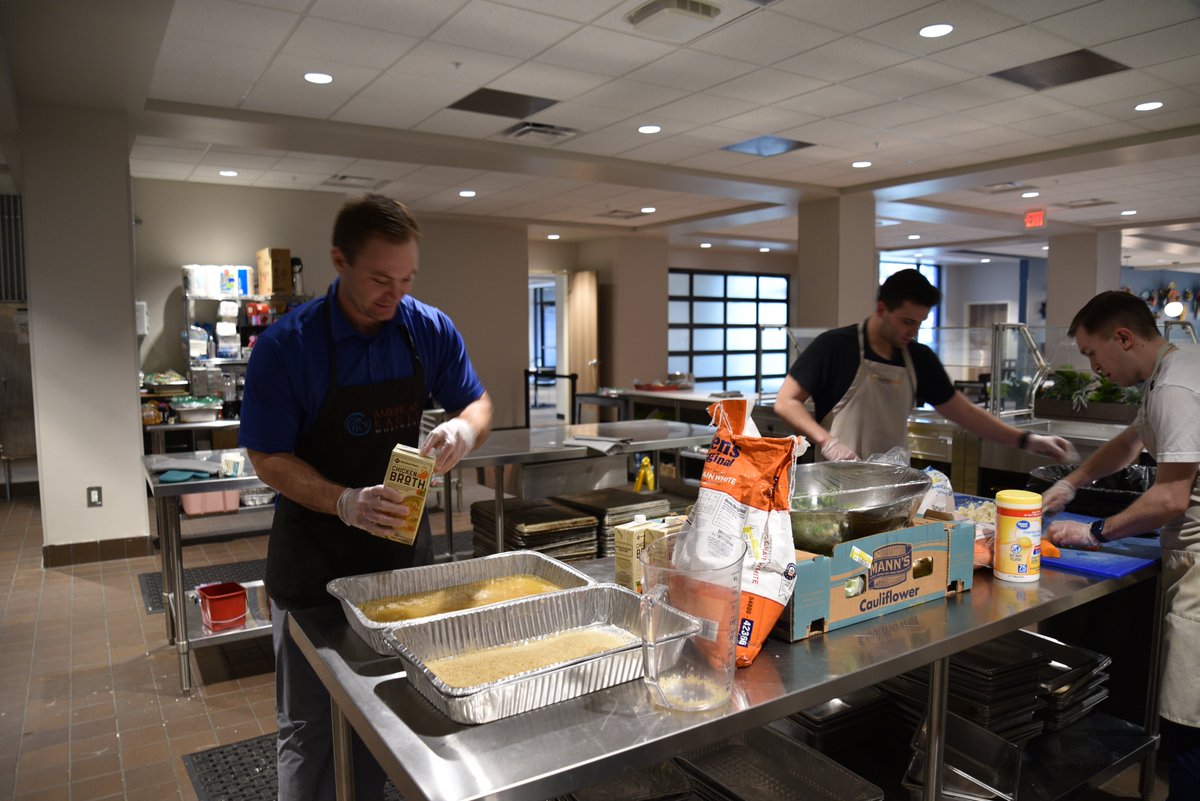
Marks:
<point>827,366</point>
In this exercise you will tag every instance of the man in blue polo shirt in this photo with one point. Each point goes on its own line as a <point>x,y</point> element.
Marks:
<point>330,389</point>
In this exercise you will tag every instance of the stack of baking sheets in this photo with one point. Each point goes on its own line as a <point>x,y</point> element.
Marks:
<point>978,764</point>
<point>838,724</point>
<point>1073,682</point>
<point>536,525</point>
<point>662,782</point>
<point>614,506</point>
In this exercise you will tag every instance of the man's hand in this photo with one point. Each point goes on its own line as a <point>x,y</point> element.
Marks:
<point>1055,448</point>
<point>1055,499</point>
<point>452,440</point>
<point>834,451</point>
<point>376,510</point>
<point>1072,534</point>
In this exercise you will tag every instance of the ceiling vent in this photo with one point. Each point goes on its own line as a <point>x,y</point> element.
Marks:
<point>674,20</point>
<point>1061,70</point>
<point>1000,189</point>
<point>1086,203</point>
<point>354,182</point>
<point>619,214</point>
<point>539,133</point>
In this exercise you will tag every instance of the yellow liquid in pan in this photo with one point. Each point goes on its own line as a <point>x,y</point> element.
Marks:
<point>395,608</point>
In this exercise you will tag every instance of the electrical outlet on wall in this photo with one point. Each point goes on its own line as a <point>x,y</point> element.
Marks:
<point>95,496</point>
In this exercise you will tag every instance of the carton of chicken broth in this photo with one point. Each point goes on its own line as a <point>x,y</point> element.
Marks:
<point>409,472</point>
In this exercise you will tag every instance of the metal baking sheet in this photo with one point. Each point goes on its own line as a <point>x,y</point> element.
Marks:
<point>354,590</point>
<point>419,642</point>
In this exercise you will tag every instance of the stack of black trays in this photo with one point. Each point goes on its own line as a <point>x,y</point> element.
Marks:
<point>840,723</point>
<point>662,782</point>
<point>553,529</point>
<point>1072,684</point>
<point>614,506</point>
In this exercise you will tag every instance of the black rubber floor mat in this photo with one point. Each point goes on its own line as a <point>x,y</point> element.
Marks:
<point>243,771</point>
<point>152,587</point>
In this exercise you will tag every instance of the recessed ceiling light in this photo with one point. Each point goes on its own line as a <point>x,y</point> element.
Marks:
<point>858,165</point>
<point>1030,194</point>
<point>706,244</point>
<point>1173,309</point>
<point>649,129</point>
<point>318,77</point>
<point>936,31</point>
<point>648,209</point>
<point>1129,212</point>
<point>1149,105</point>
<point>764,250</point>
<point>918,255</point>
<point>466,193</point>
<point>552,236</point>
<point>1045,247</point>
<point>228,173</point>
<point>914,236</point>
<point>985,261</point>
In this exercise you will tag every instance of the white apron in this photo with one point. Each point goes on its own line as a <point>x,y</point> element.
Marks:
<point>872,417</point>
<point>1180,696</point>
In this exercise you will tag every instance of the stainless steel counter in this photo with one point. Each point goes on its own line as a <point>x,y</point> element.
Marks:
<point>569,745</point>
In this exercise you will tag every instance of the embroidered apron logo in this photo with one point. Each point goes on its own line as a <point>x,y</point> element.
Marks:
<point>358,424</point>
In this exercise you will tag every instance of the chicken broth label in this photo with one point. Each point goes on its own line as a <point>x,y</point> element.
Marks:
<point>408,473</point>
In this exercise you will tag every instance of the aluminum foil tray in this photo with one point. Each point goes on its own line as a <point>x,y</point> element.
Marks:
<point>420,641</point>
<point>353,590</point>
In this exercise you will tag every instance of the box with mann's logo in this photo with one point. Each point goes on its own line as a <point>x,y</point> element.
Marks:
<point>874,575</point>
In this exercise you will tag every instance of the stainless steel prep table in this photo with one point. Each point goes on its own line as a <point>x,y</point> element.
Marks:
<point>180,631</point>
<point>563,747</point>
<point>537,445</point>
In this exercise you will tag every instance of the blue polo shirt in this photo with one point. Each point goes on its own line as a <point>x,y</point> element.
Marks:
<point>288,373</point>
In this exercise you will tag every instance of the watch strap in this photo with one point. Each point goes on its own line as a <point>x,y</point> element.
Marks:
<point>1097,529</point>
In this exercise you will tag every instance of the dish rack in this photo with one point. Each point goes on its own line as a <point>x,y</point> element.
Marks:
<point>257,496</point>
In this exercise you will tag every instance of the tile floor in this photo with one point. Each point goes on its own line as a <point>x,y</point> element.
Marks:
<point>90,705</point>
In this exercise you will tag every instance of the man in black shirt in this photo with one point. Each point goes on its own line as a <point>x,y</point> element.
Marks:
<point>865,379</point>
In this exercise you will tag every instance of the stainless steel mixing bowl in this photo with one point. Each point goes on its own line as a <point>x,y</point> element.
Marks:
<point>834,502</point>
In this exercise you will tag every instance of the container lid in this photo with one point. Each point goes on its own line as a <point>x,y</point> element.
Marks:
<point>1018,498</point>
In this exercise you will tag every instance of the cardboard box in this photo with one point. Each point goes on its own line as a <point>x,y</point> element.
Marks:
<point>409,473</point>
<point>275,271</point>
<point>874,575</point>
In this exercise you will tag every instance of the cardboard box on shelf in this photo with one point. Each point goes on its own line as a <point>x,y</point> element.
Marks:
<point>877,574</point>
<point>275,271</point>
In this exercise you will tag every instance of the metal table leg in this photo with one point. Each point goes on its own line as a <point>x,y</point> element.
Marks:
<point>935,743</point>
<point>499,508</point>
<point>1147,776</point>
<point>446,502</point>
<point>162,517</point>
<point>343,757</point>
<point>175,600</point>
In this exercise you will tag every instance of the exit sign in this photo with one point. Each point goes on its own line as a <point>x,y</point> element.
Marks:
<point>1035,219</point>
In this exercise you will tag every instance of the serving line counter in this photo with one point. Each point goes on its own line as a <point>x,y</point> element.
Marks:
<point>569,745</point>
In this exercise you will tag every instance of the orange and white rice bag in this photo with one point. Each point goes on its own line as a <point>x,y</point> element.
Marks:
<point>745,493</point>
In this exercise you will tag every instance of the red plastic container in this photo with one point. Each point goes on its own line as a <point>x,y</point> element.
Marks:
<point>222,606</point>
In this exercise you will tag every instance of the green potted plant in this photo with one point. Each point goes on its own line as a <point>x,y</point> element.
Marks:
<point>1073,394</point>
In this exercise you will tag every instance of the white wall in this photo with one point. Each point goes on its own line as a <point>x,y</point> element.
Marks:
<point>997,282</point>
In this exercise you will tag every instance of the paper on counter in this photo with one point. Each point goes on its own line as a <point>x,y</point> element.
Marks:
<point>605,445</point>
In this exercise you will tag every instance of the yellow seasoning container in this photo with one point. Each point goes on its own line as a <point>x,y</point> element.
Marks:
<point>1018,536</point>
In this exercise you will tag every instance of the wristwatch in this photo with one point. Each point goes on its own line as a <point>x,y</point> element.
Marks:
<point>1097,530</point>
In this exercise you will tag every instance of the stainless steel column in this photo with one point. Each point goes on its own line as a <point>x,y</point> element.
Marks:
<point>935,740</point>
<point>1150,724</point>
<point>343,757</point>
<point>171,542</point>
<point>499,508</point>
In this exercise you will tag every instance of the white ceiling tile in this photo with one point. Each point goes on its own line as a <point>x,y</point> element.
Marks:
<point>767,86</point>
<point>289,70</point>
<point>1173,99</point>
<point>228,23</point>
<point>715,160</point>
<point>831,132</point>
<point>711,136</point>
<point>1005,50</point>
<point>412,17</point>
<point>765,37</point>
<point>312,164</point>
<point>220,159</point>
<point>398,89</point>
<point>910,78</point>
<point>175,153</point>
<point>1171,119</point>
<point>149,168</point>
<point>371,110</point>
<point>1108,20</point>
<point>495,182</point>
<point>212,59</point>
<point>844,58</point>
<point>409,191</point>
<point>1021,148</point>
<point>300,101</point>
<point>941,127</point>
<point>280,179</point>
<point>443,176</point>
<point>340,43</point>
<point>970,20</point>
<point>832,101</point>
<point>580,116</point>
<point>1165,44</point>
<point>1007,112</point>
<point>483,25</point>
<point>969,94</point>
<point>547,80</point>
<point>768,120</point>
<point>1113,86</point>
<point>663,152</point>
<point>1181,71</point>
<point>601,144</point>
<point>451,63</point>
<point>577,10</point>
<point>463,123</point>
<point>605,52</point>
<point>372,168</point>
<point>702,108</point>
<point>284,5</point>
<point>210,176</point>
<point>186,87</point>
<point>913,153</point>
<point>1032,10</point>
<point>688,69</point>
<point>1060,123</point>
<point>631,96</point>
<point>846,17</point>
<point>889,115</point>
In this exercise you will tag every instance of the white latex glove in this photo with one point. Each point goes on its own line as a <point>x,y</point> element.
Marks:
<point>1055,448</point>
<point>1072,534</point>
<point>377,510</point>
<point>1055,499</point>
<point>452,440</point>
<point>834,451</point>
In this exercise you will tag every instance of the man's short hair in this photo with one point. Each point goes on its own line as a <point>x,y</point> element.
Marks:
<point>373,217</point>
<point>1115,309</point>
<point>908,285</point>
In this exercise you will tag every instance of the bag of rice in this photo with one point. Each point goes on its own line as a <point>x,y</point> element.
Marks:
<point>745,493</point>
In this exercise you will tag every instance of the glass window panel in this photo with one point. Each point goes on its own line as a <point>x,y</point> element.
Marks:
<point>744,385</point>
<point>708,339</point>
<point>741,286</point>
<point>772,313</point>
<point>772,384</point>
<point>710,386</point>
<point>774,363</point>
<point>678,364</point>
<point>774,339</point>
<point>707,311</point>
<point>677,312</point>
<point>740,339</point>
<point>710,285</point>
<point>743,313</point>
<point>678,339</point>
<point>678,283</point>
<point>709,366</point>
<point>739,364</point>
<point>773,288</point>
